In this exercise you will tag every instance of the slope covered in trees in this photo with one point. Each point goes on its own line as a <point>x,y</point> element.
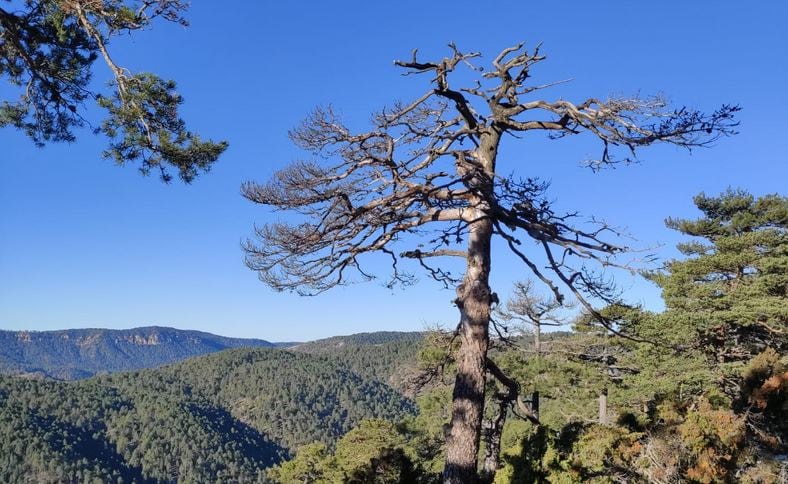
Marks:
<point>296,398</point>
<point>221,417</point>
<point>385,356</point>
<point>327,345</point>
<point>695,393</point>
<point>79,353</point>
<point>90,432</point>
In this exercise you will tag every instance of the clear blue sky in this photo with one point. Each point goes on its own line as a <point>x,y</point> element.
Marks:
<point>86,243</point>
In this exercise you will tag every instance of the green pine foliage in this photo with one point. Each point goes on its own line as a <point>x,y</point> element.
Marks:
<point>697,394</point>
<point>730,295</point>
<point>701,397</point>
<point>385,356</point>
<point>295,398</point>
<point>47,52</point>
<point>90,432</point>
<point>375,451</point>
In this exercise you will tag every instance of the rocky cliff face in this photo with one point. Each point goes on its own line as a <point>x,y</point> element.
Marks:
<point>139,339</point>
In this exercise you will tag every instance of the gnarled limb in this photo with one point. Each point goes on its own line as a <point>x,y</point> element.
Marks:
<point>492,429</point>
<point>423,183</point>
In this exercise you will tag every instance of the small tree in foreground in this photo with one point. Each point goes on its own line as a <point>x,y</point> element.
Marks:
<point>423,184</point>
<point>47,50</point>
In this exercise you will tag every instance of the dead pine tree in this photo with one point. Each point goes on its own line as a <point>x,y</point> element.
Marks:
<point>532,312</point>
<point>422,184</point>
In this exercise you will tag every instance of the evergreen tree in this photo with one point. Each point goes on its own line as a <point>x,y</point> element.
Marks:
<point>731,294</point>
<point>729,301</point>
<point>47,50</point>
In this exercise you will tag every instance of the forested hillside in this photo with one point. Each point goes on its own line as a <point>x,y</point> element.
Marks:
<point>295,398</point>
<point>385,356</point>
<point>695,393</point>
<point>549,188</point>
<point>90,432</point>
<point>79,353</point>
<point>221,417</point>
<point>334,343</point>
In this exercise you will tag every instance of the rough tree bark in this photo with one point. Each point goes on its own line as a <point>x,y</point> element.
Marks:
<point>493,431</point>
<point>474,301</point>
<point>493,428</point>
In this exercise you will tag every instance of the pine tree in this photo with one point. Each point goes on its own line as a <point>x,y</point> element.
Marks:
<point>425,184</point>
<point>729,301</point>
<point>47,51</point>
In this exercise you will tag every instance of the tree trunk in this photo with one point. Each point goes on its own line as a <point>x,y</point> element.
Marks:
<point>603,407</point>
<point>492,441</point>
<point>535,404</point>
<point>473,301</point>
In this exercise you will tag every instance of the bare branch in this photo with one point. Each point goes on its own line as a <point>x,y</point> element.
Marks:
<point>514,391</point>
<point>426,169</point>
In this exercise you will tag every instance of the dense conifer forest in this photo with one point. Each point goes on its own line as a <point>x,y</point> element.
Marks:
<point>222,417</point>
<point>695,393</point>
<point>386,356</point>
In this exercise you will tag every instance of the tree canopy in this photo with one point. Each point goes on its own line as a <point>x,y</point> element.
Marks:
<point>47,52</point>
<point>224,417</point>
<point>728,300</point>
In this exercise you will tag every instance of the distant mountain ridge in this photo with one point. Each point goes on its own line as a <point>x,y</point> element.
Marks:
<point>226,416</point>
<point>72,354</point>
<point>333,343</point>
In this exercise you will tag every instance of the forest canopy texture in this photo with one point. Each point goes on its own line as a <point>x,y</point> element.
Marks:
<point>225,417</point>
<point>697,393</point>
